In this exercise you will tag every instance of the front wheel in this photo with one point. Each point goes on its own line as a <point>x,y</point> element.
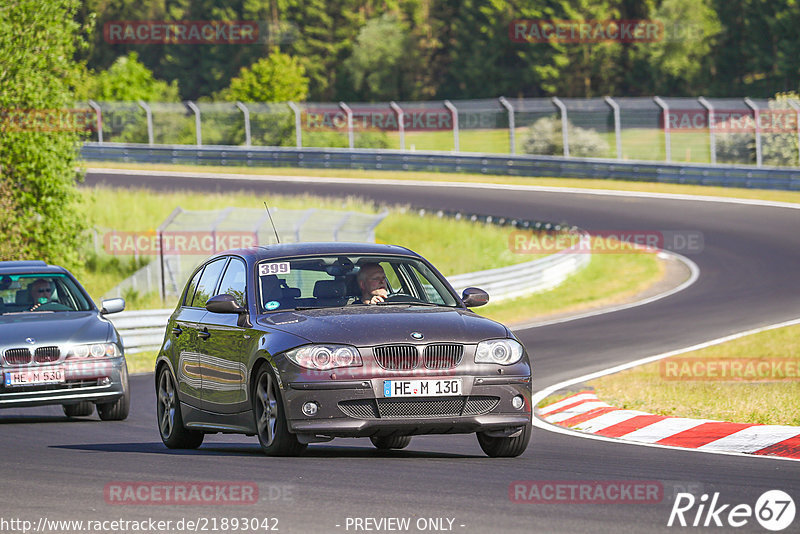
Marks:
<point>81,409</point>
<point>170,423</point>
<point>117,410</point>
<point>393,442</point>
<point>500,447</point>
<point>273,431</point>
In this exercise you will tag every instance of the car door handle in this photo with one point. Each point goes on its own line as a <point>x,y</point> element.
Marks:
<point>204,334</point>
<point>177,331</point>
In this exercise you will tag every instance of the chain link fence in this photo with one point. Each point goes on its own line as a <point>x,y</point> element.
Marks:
<point>691,130</point>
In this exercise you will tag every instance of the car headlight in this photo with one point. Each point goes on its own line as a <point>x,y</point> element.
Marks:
<point>498,351</point>
<point>322,357</point>
<point>93,350</point>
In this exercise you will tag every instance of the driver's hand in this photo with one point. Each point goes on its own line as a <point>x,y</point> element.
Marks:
<point>376,299</point>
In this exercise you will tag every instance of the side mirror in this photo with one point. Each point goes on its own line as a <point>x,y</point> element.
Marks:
<point>474,297</point>
<point>224,303</point>
<point>112,306</point>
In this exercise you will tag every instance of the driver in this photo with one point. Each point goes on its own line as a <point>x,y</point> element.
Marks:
<point>372,282</point>
<point>41,291</point>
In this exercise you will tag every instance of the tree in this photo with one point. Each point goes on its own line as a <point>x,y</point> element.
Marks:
<point>377,66</point>
<point>275,78</point>
<point>129,80</point>
<point>38,140</point>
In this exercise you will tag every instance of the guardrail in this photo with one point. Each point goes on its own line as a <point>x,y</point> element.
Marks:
<point>144,330</point>
<point>385,159</point>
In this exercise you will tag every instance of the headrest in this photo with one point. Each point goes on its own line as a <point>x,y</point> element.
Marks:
<point>329,289</point>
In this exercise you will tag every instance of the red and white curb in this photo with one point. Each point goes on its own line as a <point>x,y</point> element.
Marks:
<point>584,412</point>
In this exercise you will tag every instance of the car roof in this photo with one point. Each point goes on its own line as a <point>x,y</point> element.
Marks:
<point>329,247</point>
<point>29,267</point>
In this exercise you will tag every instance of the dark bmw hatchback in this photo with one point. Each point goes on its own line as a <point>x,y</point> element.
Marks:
<point>303,343</point>
<point>56,346</point>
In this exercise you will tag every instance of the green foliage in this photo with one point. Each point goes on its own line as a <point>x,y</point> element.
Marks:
<point>129,80</point>
<point>275,78</point>
<point>43,216</point>
<point>377,65</point>
<point>544,137</point>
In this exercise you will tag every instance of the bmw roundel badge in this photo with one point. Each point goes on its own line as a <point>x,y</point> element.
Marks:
<point>417,335</point>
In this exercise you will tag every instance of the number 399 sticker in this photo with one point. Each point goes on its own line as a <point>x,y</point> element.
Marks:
<point>273,268</point>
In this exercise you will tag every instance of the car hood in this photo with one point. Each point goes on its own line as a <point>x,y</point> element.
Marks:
<point>376,325</point>
<point>58,328</point>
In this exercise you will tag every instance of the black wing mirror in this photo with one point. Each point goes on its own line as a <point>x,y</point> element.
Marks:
<point>474,297</point>
<point>225,303</point>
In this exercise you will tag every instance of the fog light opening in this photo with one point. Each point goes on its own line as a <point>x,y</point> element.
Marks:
<point>310,409</point>
<point>518,402</point>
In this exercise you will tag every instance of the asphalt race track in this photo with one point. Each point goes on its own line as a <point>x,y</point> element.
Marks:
<point>56,468</point>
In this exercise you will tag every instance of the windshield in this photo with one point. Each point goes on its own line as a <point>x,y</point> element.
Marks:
<point>40,293</point>
<point>342,280</point>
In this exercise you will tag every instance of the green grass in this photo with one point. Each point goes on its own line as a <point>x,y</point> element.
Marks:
<point>617,185</point>
<point>646,387</point>
<point>598,284</point>
<point>442,240</point>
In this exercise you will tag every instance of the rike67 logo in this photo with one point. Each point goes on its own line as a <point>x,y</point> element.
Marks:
<point>774,510</point>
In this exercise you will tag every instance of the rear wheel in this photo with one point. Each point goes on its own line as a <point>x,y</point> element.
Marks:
<point>273,430</point>
<point>81,409</point>
<point>390,442</point>
<point>170,423</point>
<point>505,447</point>
<point>117,410</point>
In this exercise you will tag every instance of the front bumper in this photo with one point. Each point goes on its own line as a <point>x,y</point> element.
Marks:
<point>100,381</point>
<point>359,409</point>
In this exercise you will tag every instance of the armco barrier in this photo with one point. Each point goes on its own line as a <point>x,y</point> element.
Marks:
<point>333,158</point>
<point>144,330</point>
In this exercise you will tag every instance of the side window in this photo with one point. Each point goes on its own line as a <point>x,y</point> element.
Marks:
<point>187,301</point>
<point>233,282</point>
<point>208,281</point>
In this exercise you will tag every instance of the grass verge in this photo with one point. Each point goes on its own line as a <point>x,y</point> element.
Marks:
<point>681,387</point>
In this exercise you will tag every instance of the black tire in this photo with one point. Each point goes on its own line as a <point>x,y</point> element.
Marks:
<point>117,410</point>
<point>390,442</point>
<point>170,423</point>
<point>81,409</point>
<point>505,447</point>
<point>270,418</point>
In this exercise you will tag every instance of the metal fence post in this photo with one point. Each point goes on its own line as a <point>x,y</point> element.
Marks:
<point>246,113</point>
<point>564,123</point>
<point>665,115</point>
<point>712,142</point>
<point>196,110</point>
<point>349,114</point>
<point>511,126</point>
<point>796,108</point>
<point>454,113</point>
<point>298,132</point>
<point>401,128</point>
<point>99,114</point>
<point>756,115</point>
<point>148,112</point>
<point>617,127</point>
